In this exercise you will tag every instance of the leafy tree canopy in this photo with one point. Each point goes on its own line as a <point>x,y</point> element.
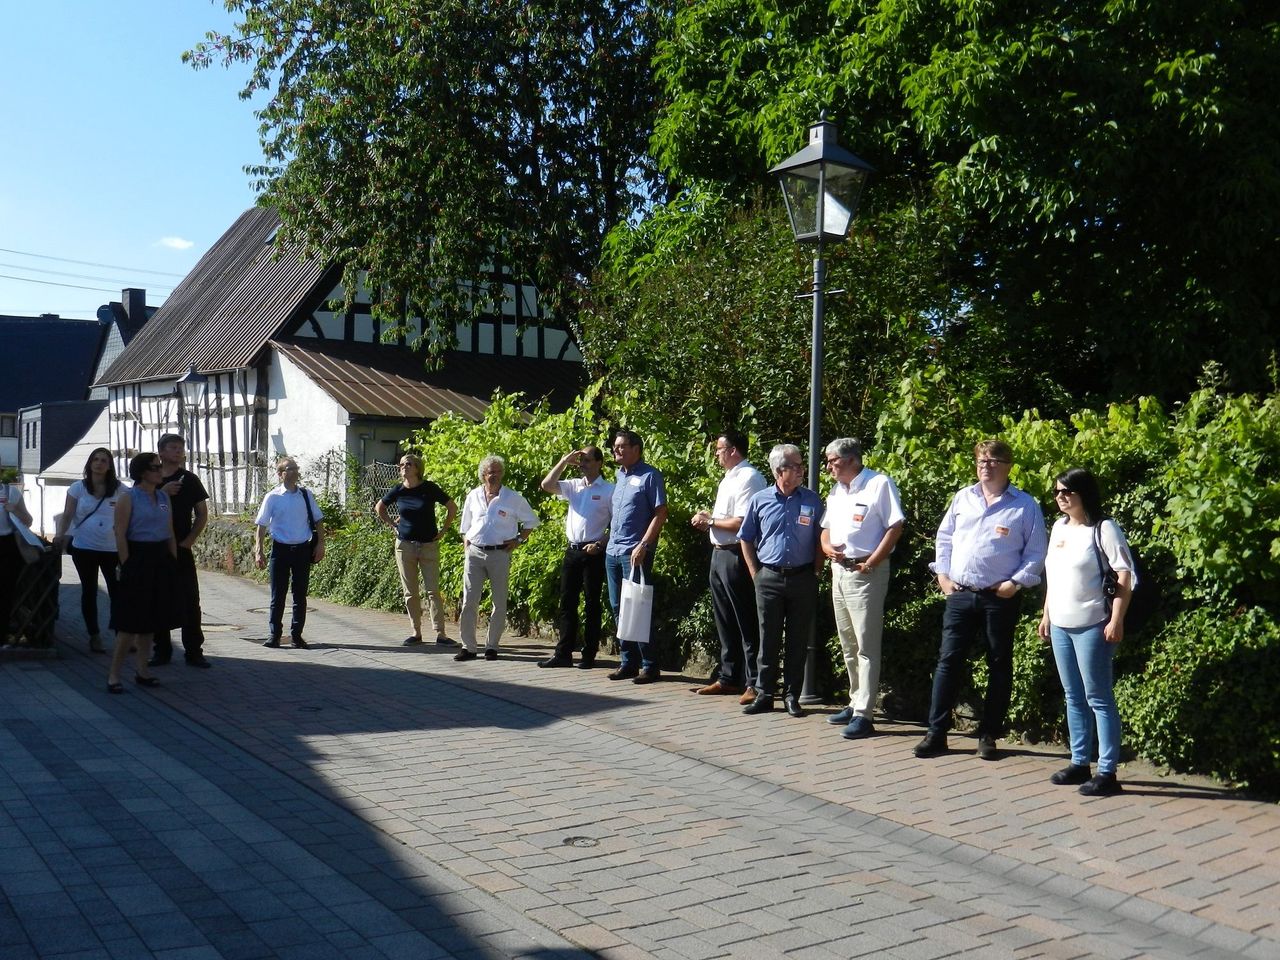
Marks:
<point>423,141</point>
<point>1115,166</point>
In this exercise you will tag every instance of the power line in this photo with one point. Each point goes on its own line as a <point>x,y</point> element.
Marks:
<point>90,263</point>
<point>54,283</point>
<point>74,276</point>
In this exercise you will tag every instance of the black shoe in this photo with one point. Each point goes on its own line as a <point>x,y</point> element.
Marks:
<point>585,664</point>
<point>987,747</point>
<point>158,661</point>
<point>300,644</point>
<point>464,655</point>
<point>95,644</point>
<point>843,717</point>
<point>411,641</point>
<point>933,745</point>
<point>1103,785</point>
<point>199,661</point>
<point>444,641</point>
<point>556,661</point>
<point>621,674</point>
<point>273,642</point>
<point>761,704</point>
<point>1072,774</point>
<point>490,653</point>
<point>155,682</point>
<point>646,676</point>
<point>793,706</point>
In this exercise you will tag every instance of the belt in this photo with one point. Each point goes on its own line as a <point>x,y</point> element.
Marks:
<point>962,588</point>
<point>290,546</point>
<point>788,571</point>
<point>735,546</point>
<point>850,562</point>
<point>583,545</point>
<point>494,546</point>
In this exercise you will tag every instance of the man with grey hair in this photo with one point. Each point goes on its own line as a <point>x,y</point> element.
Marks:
<point>495,520</point>
<point>861,527</point>
<point>782,550</point>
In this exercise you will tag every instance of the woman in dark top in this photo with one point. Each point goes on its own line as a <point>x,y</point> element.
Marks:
<point>148,551</point>
<point>417,542</point>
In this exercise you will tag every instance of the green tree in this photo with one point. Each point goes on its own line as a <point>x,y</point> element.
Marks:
<point>423,142</point>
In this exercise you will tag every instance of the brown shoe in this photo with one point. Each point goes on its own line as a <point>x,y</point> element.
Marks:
<point>717,689</point>
<point>748,695</point>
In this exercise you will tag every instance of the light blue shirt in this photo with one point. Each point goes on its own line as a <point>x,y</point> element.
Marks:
<point>982,546</point>
<point>637,495</point>
<point>151,520</point>
<point>783,529</point>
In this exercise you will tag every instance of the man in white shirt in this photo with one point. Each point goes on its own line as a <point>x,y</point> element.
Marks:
<point>495,520</point>
<point>860,528</point>
<point>586,527</point>
<point>291,515</point>
<point>733,596</point>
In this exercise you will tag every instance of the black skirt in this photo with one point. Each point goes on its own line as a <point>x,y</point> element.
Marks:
<point>144,601</point>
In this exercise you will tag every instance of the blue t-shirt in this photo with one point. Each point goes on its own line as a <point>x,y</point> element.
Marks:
<point>417,506</point>
<point>784,530</point>
<point>150,519</point>
<point>637,495</point>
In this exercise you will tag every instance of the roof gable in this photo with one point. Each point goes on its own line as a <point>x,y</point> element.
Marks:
<point>220,317</point>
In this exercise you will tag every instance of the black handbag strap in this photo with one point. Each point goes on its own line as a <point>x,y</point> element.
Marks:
<point>311,517</point>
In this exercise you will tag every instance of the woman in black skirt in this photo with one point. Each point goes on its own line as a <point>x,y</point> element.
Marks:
<point>148,551</point>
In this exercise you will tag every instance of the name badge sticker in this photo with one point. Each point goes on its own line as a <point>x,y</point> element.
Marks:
<point>596,496</point>
<point>502,513</point>
<point>804,521</point>
<point>1002,531</point>
<point>637,481</point>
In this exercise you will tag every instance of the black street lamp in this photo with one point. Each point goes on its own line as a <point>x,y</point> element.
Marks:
<point>190,389</point>
<point>821,186</point>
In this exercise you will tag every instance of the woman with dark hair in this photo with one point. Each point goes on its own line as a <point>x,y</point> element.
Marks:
<point>87,530</point>
<point>1083,628</point>
<point>148,552</point>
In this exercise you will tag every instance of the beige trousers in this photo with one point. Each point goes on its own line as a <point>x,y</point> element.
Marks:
<point>858,600</point>
<point>413,558</point>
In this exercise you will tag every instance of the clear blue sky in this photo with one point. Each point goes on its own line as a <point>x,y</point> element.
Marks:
<point>115,152</point>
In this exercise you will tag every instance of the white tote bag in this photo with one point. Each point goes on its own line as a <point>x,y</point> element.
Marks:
<point>635,609</point>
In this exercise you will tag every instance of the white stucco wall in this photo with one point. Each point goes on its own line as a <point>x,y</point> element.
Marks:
<point>303,421</point>
<point>45,498</point>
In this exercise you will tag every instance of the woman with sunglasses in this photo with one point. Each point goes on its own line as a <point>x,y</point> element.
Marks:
<point>87,529</point>
<point>148,552</point>
<point>1083,633</point>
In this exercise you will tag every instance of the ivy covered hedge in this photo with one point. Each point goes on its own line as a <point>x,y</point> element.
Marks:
<point>1196,488</point>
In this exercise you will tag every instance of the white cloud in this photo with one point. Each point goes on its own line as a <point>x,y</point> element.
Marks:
<point>175,243</point>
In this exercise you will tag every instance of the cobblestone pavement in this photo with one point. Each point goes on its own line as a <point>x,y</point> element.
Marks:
<point>362,798</point>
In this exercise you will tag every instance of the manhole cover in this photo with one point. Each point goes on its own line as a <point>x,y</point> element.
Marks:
<point>580,842</point>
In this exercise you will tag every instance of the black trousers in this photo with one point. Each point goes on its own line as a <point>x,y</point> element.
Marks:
<point>88,564</point>
<point>788,605</point>
<point>968,617</point>
<point>289,562</point>
<point>581,576</point>
<point>187,603</point>
<point>10,566</point>
<point>733,599</point>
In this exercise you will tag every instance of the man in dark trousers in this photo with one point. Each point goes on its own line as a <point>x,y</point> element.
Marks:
<point>190,514</point>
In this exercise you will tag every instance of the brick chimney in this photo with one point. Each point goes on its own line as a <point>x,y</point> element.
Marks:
<point>134,301</point>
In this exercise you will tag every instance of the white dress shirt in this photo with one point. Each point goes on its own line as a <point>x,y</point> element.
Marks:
<point>490,523</point>
<point>590,507</point>
<point>740,483</point>
<point>284,514</point>
<point>859,513</point>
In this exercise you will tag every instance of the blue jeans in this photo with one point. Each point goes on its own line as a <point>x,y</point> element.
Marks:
<point>1084,666</point>
<point>635,656</point>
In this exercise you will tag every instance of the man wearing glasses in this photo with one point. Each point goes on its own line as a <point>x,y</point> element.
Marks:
<point>782,550</point>
<point>639,511</point>
<point>990,545</point>
<point>291,515</point>
<point>859,530</point>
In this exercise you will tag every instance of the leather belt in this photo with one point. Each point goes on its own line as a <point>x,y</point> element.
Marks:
<point>496,546</point>
<point>850,562</point>
<point>583,545</point>
<point>736,547</point>
<point>788,571</point>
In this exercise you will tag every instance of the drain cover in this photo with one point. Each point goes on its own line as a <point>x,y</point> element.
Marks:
<point>580,842</point>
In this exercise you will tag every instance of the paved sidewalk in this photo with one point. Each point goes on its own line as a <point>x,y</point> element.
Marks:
<point>367,799</point>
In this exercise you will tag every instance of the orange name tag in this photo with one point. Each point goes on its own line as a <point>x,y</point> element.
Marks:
<point>1002,531</point>
<point>804,521</point>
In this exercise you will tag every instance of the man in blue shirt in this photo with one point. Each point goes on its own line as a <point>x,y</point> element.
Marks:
<point>639,511</point>
<point>990,545</point>
<point>782,550</point>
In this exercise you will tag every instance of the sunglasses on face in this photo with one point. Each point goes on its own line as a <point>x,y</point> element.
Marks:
<point>1063,492</point>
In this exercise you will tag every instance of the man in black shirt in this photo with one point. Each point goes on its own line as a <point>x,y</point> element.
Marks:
<point>190,514</point>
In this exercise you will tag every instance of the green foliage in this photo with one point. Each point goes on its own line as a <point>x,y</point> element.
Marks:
<point>423,142</point>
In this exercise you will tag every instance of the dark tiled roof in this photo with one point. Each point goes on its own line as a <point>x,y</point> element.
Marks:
<point>42,360</point>
<point>378,380</point>
<point>222,314</point>
<point>62,424</point>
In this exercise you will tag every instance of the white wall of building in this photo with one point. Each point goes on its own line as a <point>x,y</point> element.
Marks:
<point>303,422</point>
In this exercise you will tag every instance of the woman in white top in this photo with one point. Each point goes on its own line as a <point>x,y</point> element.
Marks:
<point>87,526</point>
<point>1083,631</point>
<point>11,562</point>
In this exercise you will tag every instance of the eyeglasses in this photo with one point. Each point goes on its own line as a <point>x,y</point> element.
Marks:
<point>1060,492</point>
<point>154,466</point>
<point>832,461</point>
<point>790,466</point>
<point>986,462</point>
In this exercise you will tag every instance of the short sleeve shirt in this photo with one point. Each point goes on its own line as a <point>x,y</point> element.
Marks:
<point>285,515</point>
<point>590,507</point>
<point>637,495</point>
<point>417,508</point>
<point>185,500</point>
<point>783,529</point>
<point>741,482</point>
<point>859,514</point>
